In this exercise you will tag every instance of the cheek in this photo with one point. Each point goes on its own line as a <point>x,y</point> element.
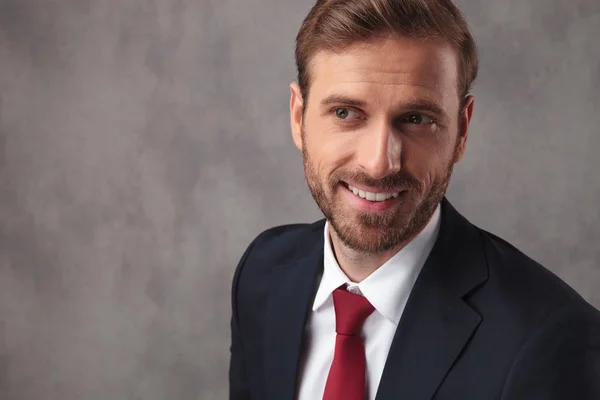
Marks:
<point>329,150</point>
<point>426,162</point>
<point>321,160</point>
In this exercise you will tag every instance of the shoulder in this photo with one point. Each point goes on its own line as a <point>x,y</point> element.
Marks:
<point>538,324</point>
<point>285,242</point>
<point>557,331</point>
<point>528,289</point>
<point>278,245</point>
<point>253,279</point>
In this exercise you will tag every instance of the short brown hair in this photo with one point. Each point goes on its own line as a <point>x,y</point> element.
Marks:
<point>333,25</point>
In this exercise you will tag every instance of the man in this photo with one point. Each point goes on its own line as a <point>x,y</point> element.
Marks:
<point>395,295</point>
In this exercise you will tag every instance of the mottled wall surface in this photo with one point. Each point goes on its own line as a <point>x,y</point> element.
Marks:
<point>144,143</point>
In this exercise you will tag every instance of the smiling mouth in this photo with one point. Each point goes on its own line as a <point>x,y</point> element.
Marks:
<point>371,196</point>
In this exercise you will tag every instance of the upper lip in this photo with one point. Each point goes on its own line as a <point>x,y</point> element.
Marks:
<point>372,189</point>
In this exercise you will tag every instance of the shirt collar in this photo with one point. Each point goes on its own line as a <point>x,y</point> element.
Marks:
<point>388,288</point>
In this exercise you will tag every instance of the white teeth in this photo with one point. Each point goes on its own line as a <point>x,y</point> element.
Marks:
<point>380,197</point>
<point>373,196</point>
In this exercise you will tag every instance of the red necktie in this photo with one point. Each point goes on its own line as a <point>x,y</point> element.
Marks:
<point>346,380</point>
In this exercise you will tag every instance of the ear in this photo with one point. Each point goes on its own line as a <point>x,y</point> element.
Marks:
<point>296,105</point>
<point>464,119</point>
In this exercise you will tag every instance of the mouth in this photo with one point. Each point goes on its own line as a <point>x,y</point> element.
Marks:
<point>372,196</point>
<point>372,199</point>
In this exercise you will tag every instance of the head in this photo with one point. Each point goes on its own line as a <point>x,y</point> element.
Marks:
<point>381,108</point>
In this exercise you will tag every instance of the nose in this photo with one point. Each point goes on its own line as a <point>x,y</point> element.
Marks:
<point>379,154</point>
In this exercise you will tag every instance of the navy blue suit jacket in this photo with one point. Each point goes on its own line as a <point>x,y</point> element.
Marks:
<point>483,321</point>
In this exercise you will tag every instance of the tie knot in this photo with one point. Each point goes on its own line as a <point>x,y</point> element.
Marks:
<point>351,310</point>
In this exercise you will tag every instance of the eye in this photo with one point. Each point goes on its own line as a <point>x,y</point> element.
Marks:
<point>344,113</point>
<point>418,119</point>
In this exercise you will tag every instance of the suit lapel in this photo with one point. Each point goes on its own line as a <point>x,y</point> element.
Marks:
<point>294,285</point>
<point>437,323</point>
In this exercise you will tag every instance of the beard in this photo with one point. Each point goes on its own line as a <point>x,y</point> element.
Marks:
<point>372,232</point>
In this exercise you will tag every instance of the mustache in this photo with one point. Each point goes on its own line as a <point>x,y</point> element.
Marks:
<point>400,180</point>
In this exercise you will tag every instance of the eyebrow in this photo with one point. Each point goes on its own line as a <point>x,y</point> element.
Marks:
<point>418,105</point>
<point>339,99</point>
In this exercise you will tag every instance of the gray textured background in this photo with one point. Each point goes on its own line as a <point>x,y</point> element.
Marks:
<point>145,143</point>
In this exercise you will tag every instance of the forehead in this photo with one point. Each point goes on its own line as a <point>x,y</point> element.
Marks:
<point>388,69</point>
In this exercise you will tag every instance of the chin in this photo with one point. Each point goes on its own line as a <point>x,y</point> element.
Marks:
<point>370,235</point>
<point>371,243</point>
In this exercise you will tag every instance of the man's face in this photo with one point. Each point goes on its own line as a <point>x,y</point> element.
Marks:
<point>380,134</point>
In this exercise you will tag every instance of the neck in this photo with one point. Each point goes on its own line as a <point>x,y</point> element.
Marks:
<point>358,265</point>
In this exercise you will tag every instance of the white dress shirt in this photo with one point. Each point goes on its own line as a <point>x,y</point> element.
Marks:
<point>387,289</point>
